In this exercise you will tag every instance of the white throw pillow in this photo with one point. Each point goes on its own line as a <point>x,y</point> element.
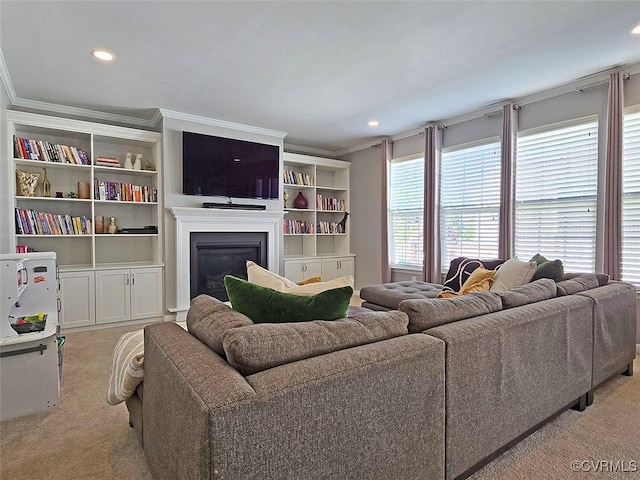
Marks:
<point>261,276</point>
<point>513,273</point>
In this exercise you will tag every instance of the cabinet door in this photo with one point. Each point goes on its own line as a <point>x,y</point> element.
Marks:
<point>312,268</point>
<point>293,270</point>
<point>336,267</point>
<point>146,293</point>
<point>77,297</point>
<point>113,296</point>
<point>346,266</point>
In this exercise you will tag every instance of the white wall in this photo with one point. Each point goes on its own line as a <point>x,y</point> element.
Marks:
<point>4,174</point>
<point>172,163</point>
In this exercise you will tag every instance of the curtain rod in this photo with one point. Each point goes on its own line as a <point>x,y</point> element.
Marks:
<point>582,88</point>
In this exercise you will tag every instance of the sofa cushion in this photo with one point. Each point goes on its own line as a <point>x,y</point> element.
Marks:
<point>603,278</point>
<point>208,318</point>
<point>479,281</point>
<point>513,273</point>
<point>258,347</point>
<point>424,314</point>
<point>265,305</point>
<point>578,284</point>
<point>461,268</point>
<point>266,278</point>
<point>536,291</point>
<point>553,269</point>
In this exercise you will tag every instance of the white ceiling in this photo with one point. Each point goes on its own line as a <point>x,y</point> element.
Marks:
<point>317,70</point>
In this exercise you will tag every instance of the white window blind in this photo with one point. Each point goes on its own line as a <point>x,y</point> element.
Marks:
<point>556,194</point>
<point>470,203</point>
<point>406,206</point>
<point>631,199</point>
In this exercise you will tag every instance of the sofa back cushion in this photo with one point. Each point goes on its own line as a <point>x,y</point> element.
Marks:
<point>578,284</point>
<point>428,313</point>
<point>536,291</point>
<point>208,318</point>
<point>259,347</point>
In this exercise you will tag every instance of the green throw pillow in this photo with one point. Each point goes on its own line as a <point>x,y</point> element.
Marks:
<point>264,305</point>
<point>552,269</point>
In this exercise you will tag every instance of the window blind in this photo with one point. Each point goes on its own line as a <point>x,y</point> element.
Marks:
<point>470,202</point>
<point>406,207</point>
<point>630,266</point>
<point>556,194</point>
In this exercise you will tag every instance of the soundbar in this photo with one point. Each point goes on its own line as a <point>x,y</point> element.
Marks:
<point>234,206</point>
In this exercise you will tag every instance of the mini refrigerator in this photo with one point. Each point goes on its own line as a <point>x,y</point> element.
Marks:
<point>30,358</point>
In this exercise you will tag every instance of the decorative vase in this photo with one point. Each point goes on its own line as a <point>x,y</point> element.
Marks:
<point>99,226</point>
<point>46,185</point>
<point>84,190</point>
<point>127,162</point>
<point>112,228</point>
<point>300,201</point>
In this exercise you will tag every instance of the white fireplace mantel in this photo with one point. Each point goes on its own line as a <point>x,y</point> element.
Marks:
<point>190,220</point>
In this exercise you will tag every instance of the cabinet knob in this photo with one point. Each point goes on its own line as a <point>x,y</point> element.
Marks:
<point>133,279</point>
<point>127,279</point>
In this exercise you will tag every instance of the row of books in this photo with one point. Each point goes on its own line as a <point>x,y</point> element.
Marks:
<point>334,204</point>
<point>32,222</point>
<point>296,178</point>
<point>44,151</point>
<point>293,227</point>
<point>124,192</point>
<point>330,227</point>
<point>298,226</point>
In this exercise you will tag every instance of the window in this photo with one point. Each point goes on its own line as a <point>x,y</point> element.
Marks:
<point>556,194</point>
<point>631,199</point>
<point>470,202</point>
<point>406,206</point>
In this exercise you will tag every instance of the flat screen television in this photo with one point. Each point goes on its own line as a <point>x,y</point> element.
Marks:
<point>217,166</point>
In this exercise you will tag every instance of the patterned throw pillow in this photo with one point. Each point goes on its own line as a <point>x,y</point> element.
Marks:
<point>479,281</point>
<point>461,268</point>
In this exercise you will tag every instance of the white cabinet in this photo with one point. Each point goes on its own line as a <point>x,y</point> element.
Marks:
<point>77,299</point>
<point>337,267</point>
<point>128,294</point>
<point>299,270</point>
<point>318,233</point>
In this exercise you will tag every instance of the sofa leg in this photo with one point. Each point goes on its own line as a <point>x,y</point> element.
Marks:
<point>581,404</point>
<point>629,371</point>
<point>589,397</point>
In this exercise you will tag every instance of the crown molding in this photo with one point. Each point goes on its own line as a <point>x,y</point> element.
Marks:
<point>289,147</point>
<point>221,123</point>
<point>6,79</point>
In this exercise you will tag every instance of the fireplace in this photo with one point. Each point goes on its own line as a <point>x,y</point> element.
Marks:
<point>216,254</point>
<point>190,220</point>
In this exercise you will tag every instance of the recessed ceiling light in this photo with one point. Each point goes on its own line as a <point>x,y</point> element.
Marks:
<point>636,29</point>
<point>374,123</point>
<point>103,55</point>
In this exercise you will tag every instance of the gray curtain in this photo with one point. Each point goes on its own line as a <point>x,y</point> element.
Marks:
<point>431,222</point>
<point>507,182</point>
<point>387,153</point>
<point>613,178</point>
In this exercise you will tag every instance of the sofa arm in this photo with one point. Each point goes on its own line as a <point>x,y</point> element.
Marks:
<point>183,381</point>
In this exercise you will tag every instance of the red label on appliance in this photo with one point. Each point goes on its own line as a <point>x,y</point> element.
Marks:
<point>38,279</point>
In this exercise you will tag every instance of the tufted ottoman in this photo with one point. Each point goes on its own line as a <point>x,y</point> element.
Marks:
<point>387,296</point>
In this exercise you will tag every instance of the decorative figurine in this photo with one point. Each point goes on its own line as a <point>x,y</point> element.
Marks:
<point>285,195</point>
<point>137,165</point>
<point>112,228</point>
<point>127,161</point>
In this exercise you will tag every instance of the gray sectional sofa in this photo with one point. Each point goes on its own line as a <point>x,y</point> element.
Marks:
<point>433,390</point>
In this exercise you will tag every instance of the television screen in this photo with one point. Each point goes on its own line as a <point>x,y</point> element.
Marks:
<point>217,166</point>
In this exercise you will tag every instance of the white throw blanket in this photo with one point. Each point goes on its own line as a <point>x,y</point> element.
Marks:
<point>127,368</point>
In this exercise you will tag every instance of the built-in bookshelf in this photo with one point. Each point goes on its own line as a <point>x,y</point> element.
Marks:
<point>87,185</point>
<point>317,236</point>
